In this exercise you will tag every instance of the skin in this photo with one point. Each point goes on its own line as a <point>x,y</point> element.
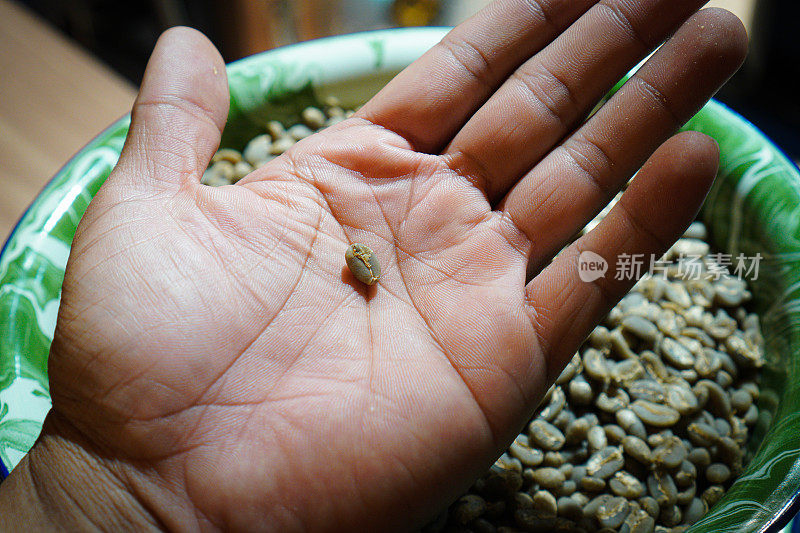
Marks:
<point>215,366</point>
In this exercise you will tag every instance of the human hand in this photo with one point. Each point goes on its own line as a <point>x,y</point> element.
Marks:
<point>214,366</point>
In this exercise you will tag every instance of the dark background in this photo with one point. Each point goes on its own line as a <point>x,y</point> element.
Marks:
<point>122,34</point>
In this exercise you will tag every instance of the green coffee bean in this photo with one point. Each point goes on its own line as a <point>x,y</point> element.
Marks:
<point>670,324</point>
<point>546,435</point>
<point>281,144</point>
<point>569,508</point>
<point>554,459</point>
<point>670,454</point>
<point>567,488</point>
<point>630,422</point>
<point>557,401</point>
<point>313,117</point>
<point>595,365</point>
<point>730,292</point>
<point>563,419</point>
<point>569,372</point>
<point>638,521</point>
<point>657,439</point>
<point>545,502</point>
<point>647,389</point>
<point>580,391</point>
<point>640,327</point>
<point>707,362</point>
<point>605,462</point>
<point>681,398</point>
<point>363,263</point>
<point>258,150</point>
<point>275,129</point>
<point>723,379</point>
<point>687,473</point>
<point>694,511</point>
<point>719,402</point>
<point>676,292</point>
<point>728,365</point>
<point>299,132</point>
<point>592,483</point>
<point>654,414</point>
<point>700,457</point>
<point>222,168</point>
<point>548,477</point>
<point>611,403</point>
<point>717,473</point>
<point>591,508</point>
<point>654,365</point>
<point>468,508</point>
<point>637,449</point>
<point>596,437</point>
<point>627,371</point>
<point>577,430</point>
<point>752,388</point>
<point>712,495</point>
<point>625,485</point>
<point>661,487</point>
<point>599,338</point>
<point>723,427</point>
<point>686,495</point>
<point>701,336</point>
<point>649,505</point>
<point>741,401</point>
<point>227,154</point>
<point>676,354</point>
<point>620,346</point>
<point>580,498</point>
<point>671,515</point>
<point>614,433</point>
<point>751,416</point>
<point>527,455</point>
<point>613,512</point>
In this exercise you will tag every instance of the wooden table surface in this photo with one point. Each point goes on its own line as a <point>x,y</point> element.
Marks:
<point>54,98</point>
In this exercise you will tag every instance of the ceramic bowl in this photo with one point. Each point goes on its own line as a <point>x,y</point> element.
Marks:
<point>753,208</point>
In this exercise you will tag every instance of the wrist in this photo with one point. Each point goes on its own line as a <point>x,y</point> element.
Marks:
<point>60,485</point>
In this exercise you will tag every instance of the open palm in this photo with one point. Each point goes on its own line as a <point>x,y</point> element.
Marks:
<point>218,365</point>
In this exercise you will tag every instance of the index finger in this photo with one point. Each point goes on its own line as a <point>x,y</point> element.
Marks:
<point>430,100</point>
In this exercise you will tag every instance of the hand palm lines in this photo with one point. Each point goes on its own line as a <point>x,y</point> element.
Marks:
<point>454,227</point>
<point>310,267</point>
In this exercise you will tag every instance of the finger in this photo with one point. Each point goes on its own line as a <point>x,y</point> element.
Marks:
<point>569,186</point>
<point>179,113</point>
<point>660,203</point>
<point>429,101</point>
<point>549,94</point>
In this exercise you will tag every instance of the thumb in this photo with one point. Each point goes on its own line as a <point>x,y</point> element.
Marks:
<point>179,114</point>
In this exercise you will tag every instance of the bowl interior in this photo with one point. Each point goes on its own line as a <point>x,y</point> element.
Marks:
<point>753,208</point>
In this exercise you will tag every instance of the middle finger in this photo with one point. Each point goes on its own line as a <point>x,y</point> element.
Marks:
<point>547,96</point>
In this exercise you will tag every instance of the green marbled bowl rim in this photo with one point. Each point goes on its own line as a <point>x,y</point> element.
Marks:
<point>753,207</point>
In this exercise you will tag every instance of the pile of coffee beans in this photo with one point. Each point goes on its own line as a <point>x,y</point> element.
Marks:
<point>645,429</point>
<point>229,166</point>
